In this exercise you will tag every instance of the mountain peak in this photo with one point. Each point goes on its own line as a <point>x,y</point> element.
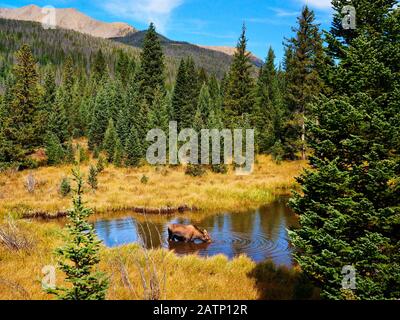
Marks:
<point>71,19</point>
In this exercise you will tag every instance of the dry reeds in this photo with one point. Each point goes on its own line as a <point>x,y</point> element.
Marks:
<point>13,238</point>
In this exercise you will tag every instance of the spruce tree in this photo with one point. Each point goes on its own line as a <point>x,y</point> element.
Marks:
<point>204,103</point>
<point>92,178</point>
<point>99,119</point>
<point>22,124</point>
<point>80,255</point>
<point>99,67</point>
<point>269,106</point>
<point>239,88</point>
<point>70,153</point>
<point>54,150</point>
<point>151,73</point>
<point>349,205</point>
<point>158,114</point>
<point>50,89</point>
<point>109,141</point>
<point>180,93</point>
<point>133,149</point>
<point>118,153</point>
<point>304,53</point>
<point>58,120</point>
<point>122,67</point>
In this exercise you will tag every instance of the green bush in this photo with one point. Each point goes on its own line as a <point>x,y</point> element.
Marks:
<point>144,179</point>
<point>65,187</point>
<point>219,168</point>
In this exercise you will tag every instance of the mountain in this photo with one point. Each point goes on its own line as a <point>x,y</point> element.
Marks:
<point>212,60</point>
<point>231,51</point>
<point>69,19</point>
<point>26,22</point>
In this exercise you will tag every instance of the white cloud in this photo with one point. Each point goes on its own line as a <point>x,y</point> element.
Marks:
<point>146,11</point>
<point>319,4</point>
<point>284,13</point>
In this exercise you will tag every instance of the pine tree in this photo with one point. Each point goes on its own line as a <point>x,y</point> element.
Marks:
<point>67,96</point>
<point>158,115</point>
<point>50,89</point>
<point>151,73</point>
<point>269,106</point>
<point>370,17</point>
<point>54,150</point>
<point>58,120</point>
<point>122,67</point>
<point>22,125</point>
<point>99,119</point>
<point>239,89</point>
<point>92,178</point>
<point>204,103</point>
<point>133,149</point>
<point>109,141</point>
<point>180,93</point>
<point>80,254</point>
<point>100,164</point>
<point>304,53</point>
<point>118,153</point>
<point>70,153</point>
<point>349,205</point>
<point>186,93</point>
<point>99,67</point>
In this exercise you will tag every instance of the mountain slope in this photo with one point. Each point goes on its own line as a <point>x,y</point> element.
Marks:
<point>231,51</point>
<point>213,61</point>
<point>69,19</point>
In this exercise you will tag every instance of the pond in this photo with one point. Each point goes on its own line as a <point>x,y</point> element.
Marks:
<point>260,234</point>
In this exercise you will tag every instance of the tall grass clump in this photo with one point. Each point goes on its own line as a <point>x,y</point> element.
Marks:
<point>13,238</point>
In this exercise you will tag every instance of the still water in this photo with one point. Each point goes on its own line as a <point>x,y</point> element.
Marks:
<point>260,234</point>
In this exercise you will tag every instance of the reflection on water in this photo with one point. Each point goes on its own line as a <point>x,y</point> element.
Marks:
<point>260,234</point>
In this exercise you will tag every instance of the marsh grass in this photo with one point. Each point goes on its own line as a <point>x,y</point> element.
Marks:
<point>188,277</point>
<point>121,188</point>
<point>13,238</point>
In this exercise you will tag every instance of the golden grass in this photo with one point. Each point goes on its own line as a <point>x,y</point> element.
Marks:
<point>121,188</point>
<point>188,277</point>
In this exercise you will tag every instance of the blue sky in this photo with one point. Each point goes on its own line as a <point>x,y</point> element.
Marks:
<point>205,22</point>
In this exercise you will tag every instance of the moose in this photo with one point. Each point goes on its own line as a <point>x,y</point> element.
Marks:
<point>187,233</point>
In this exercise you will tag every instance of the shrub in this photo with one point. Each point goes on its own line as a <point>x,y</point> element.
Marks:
<point>65,187</point>
<point>195,170</point>
<point>278,152</point>
<point>144,179</point>
<point>219,168</point>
